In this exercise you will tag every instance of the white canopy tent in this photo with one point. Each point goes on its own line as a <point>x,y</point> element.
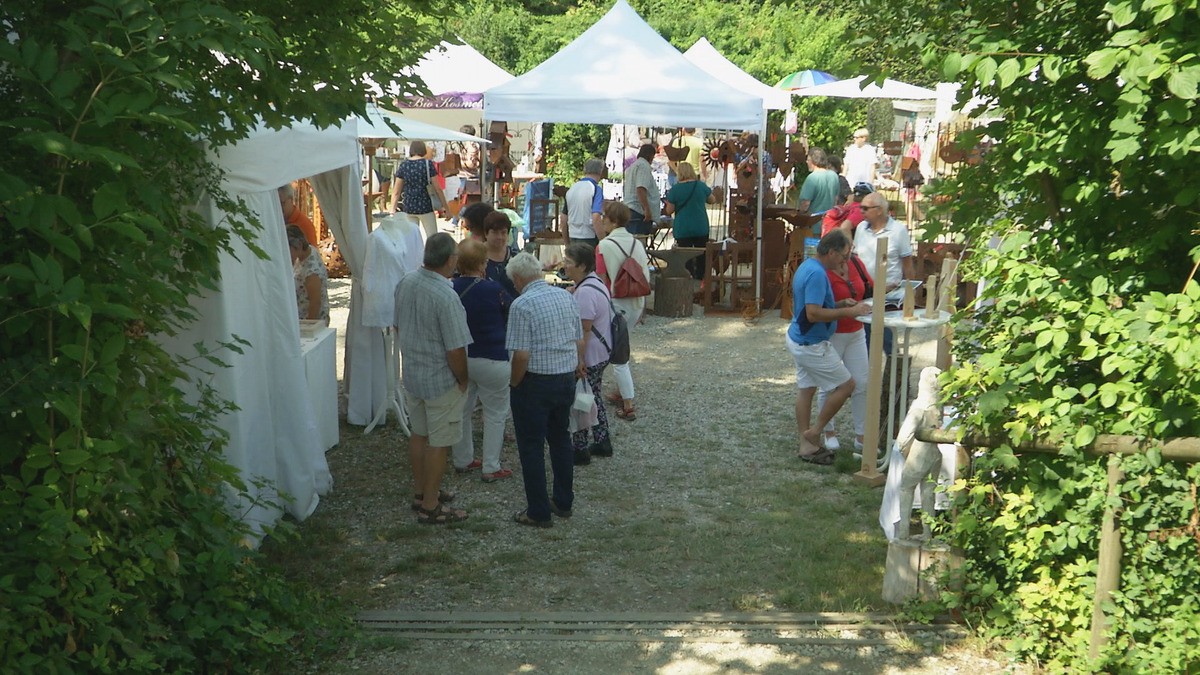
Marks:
<point>713,62</point>
<point>853,88</point>
<point>457,76</point>
<point>382,123</point>
<point>621,71</point>
<point>272,436</point>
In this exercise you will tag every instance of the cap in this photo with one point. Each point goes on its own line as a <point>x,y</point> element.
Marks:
<point>863,188</point>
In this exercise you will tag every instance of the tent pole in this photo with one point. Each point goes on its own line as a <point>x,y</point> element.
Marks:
<point>758,261</point>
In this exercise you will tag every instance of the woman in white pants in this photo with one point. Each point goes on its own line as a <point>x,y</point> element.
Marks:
<point>850,280</point>
<point>615,246</point>
<point>488,371</point>
<point>410,188</point>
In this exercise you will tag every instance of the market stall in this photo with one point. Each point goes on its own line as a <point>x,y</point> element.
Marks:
<point>622,71</point>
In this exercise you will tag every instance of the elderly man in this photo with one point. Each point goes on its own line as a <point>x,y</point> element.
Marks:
<point>545,337</point>
<point>585,200</point>
<point>879,223</point>
<point>818,364</point>
<point>640,192</point>
<point>433,337</point>
<point>820,189</point>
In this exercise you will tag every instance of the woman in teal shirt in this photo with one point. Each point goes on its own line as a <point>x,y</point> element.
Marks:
<point>688,202</point>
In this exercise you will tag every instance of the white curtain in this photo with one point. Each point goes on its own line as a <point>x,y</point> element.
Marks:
<point>272,435</point>
<point>365,370</point>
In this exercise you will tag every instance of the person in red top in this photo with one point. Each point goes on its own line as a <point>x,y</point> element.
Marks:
<point>848,215</point>
<point>292,215</point>
<point>850,280</point>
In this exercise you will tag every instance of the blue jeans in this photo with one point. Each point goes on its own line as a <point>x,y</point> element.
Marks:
<point>541,408</point>
<point>638,223</point>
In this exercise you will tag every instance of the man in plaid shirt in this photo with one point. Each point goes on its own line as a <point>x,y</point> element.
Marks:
<point>545,337</point>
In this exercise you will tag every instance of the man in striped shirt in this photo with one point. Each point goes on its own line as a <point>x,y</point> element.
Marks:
<point>545,337</point>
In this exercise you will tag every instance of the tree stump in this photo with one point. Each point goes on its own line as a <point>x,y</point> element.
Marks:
<point>673,296</point>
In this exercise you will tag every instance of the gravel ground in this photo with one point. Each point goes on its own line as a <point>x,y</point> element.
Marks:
<point>701,381</point>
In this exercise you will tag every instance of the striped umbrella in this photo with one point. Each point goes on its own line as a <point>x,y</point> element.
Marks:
<point>804,78</point>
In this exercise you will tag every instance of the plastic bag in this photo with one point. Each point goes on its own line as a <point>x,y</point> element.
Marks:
<point>582,420</point>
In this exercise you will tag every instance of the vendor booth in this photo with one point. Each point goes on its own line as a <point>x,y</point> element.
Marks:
<point>277,436</point>
<point>622,71</point>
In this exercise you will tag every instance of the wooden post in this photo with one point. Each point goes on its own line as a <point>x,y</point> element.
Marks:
<point>1108,568</point>
<point>946,304</point>
<point>868,473</point>
<point>931,289</point>
<point>909,301</point>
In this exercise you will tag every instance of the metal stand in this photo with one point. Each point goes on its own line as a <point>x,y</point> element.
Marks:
<point>393,401</point>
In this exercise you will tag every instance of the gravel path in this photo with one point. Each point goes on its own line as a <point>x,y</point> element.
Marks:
<point>714,403</point>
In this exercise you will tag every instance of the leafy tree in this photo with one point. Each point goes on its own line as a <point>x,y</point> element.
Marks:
<point>1090,195</point>
<point>116,551</point>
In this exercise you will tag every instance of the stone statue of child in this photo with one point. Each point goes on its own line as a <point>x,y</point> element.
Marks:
<point>923,462</point>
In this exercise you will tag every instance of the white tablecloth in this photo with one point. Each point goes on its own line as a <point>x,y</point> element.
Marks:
<point>320,371</point>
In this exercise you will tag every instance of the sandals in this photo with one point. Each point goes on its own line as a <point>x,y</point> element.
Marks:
<point>614,397</point>
<point>822,457</point>
<point>628,414</point>
<point>444,497</point>
<point>522,518</point>
<point>440,515</point>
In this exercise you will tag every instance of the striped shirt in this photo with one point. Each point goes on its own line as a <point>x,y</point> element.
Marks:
<point>432,322</point>
<point>544,321</point>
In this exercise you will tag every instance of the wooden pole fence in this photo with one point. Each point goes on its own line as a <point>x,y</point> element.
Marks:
<point>1108,567</point>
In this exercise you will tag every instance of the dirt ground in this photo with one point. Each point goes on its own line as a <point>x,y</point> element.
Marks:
<point>703,508</point>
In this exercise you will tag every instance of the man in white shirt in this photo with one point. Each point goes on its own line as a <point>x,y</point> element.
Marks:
<point>860,162</point>
<point>585,200</point>
<point>878,222</point>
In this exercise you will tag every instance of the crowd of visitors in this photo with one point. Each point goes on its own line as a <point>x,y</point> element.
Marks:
<point>485,324</point>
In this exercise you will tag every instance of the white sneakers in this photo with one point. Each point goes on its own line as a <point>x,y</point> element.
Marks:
<point>832,443</point>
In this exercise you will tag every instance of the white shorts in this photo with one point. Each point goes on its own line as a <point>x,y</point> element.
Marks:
<point>817,365</point>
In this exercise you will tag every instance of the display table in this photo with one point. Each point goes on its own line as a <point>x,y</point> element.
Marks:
<point>320,372</point>
<point>903,330</point>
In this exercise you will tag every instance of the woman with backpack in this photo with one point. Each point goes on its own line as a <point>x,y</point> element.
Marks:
<point>615,248</point>
<point>595,312</point>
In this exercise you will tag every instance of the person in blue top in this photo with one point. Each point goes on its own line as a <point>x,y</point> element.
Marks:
<point>688,202</point>
<point>486,304</point>
<point>814,320</point>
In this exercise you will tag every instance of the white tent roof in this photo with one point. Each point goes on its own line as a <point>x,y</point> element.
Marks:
<point>713,62</point>
<point>376,125</point>
<point>621,71</point>
<point>853,88</point>
<point>449,67</point>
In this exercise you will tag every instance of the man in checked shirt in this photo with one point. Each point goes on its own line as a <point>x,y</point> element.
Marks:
<point>545,338</point>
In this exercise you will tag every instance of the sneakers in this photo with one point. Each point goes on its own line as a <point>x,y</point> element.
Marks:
<point>475,465</point>
<point>499,475</point>
<point>832,443</point>
<point>601,449</point>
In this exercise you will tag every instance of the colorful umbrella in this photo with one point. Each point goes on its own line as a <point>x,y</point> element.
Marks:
<point>804,78</point>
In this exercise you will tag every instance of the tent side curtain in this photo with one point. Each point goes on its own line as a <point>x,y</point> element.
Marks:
<point>620,71</point>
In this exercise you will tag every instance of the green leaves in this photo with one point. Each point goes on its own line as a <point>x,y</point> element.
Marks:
<point>1183,82</point>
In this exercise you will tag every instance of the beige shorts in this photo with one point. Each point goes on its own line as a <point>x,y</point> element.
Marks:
<point>817,365</point>
<point>438,419</point>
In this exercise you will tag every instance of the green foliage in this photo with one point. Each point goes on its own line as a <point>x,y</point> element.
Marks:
<point>117,551</point>
<point>568,146</point>
<point>1092,330</point>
